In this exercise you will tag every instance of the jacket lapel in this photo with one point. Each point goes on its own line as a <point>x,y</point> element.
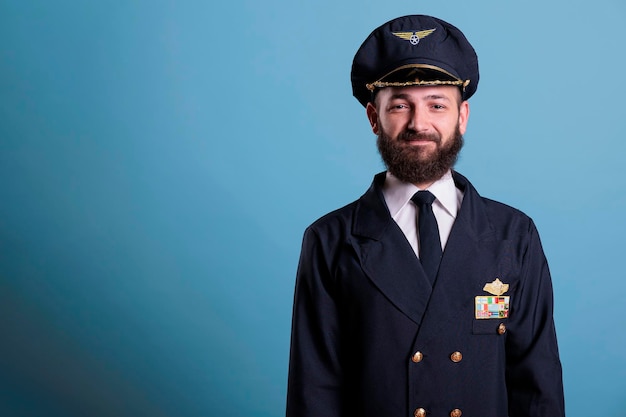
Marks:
<point>387,257</point>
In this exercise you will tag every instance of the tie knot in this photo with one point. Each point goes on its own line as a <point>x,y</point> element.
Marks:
<point>423,197</point>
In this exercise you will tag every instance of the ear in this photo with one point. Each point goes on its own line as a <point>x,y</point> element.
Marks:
<point>372,116</point>
<point>464,112</point>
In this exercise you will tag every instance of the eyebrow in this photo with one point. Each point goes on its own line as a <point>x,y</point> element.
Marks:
<point>399,96</point>
<point>404,96</point>
<point>437,97</point>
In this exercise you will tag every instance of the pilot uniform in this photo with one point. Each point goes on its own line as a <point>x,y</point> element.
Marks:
<point>373,337</point>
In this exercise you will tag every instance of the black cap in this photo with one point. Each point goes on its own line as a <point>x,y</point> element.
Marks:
<point>414,50</point>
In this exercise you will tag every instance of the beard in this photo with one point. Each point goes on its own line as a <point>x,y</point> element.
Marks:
<point>416,165</point>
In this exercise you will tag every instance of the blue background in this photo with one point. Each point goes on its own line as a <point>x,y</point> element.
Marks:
<point>160,160</point>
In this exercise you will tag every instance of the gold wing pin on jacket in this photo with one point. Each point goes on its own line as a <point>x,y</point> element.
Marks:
<point>496,287</point>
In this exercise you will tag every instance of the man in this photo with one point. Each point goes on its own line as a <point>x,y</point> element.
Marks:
<point>422,298</point>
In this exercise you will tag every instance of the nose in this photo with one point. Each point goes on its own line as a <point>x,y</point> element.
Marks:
<point>418,121</point>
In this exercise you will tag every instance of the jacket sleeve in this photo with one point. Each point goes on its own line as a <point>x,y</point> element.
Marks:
<point>315,374</point>
<point>534,376</point>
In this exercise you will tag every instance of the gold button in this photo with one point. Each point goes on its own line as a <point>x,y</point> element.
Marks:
<point>455,413</point>
<point>456,357</point>
<point>501,328</point>
<point>417,357</point>
<point>420,412</point>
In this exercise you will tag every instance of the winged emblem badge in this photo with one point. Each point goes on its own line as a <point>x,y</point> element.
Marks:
<point>496,287</point>
<point>413,37</point>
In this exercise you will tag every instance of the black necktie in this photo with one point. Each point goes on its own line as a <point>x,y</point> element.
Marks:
<point>430,243</point>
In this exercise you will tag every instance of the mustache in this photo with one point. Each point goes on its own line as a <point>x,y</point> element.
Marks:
<point>410,135</point>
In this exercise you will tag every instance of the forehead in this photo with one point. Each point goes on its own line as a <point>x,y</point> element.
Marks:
<point>420,92</point>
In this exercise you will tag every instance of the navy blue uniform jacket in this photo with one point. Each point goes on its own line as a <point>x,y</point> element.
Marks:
<point>363,307</point>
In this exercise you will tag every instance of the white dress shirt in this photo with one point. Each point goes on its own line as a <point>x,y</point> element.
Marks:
<point>446,206</point>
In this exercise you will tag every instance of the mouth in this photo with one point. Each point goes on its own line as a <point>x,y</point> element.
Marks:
<point>419,139</point>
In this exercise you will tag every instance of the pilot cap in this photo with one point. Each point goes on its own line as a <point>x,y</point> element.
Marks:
<point>414,50</point>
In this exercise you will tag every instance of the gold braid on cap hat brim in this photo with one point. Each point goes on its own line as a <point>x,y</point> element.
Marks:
<point>382,84</point>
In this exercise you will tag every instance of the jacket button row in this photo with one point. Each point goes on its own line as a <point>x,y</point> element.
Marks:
<point>420,412</point>
<point>456,357</point>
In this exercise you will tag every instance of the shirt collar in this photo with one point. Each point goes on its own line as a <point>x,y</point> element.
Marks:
<point>397,193</point>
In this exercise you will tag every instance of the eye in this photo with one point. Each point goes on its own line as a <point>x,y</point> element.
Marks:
<point>398,107</point>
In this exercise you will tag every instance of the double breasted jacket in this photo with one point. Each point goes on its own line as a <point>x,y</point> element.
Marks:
<point>372,337</point>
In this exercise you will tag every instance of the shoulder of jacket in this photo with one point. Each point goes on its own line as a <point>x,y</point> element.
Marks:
<point>339,216</point>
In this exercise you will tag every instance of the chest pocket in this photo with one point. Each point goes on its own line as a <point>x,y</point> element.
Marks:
<point>496,327</point>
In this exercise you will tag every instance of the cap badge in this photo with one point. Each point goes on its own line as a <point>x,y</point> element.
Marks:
<point>413,37</point>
